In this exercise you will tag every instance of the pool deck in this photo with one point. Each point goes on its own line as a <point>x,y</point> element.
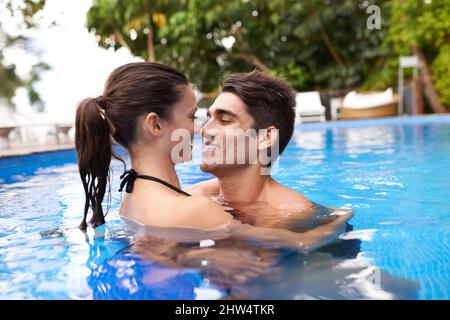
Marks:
<point>26,150</point>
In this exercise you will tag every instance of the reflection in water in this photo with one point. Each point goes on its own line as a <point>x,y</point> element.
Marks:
<point>165,263</point>
<point>376,140</point>
<point>402,221</point>
<point>310,140</point>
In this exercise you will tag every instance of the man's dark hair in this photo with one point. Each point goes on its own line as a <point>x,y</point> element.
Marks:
<point>270,101</point>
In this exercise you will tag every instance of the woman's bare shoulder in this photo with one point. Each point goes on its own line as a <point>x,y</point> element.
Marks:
<point>200,212</point>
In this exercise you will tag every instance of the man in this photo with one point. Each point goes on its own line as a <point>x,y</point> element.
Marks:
<point>259,109</point>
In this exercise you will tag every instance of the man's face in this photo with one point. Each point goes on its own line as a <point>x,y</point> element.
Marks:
<point>227,125</point>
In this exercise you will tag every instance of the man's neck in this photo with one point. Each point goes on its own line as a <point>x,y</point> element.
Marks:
<point>243,185</point>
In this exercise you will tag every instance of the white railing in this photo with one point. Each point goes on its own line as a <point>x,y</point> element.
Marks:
<point>37,134</point>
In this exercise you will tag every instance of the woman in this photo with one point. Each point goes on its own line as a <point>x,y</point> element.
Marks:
<point>142,105</point>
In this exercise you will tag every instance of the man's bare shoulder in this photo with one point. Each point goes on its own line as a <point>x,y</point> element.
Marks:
<point>288,198</point>
<point>204,188</point>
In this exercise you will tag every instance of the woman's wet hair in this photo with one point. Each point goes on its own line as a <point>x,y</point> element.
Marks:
<point>131,91</point>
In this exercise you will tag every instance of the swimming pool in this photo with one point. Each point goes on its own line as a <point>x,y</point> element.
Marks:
<point>395,173</point>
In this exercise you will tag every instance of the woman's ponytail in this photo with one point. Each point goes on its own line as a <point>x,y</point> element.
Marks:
<point>94,151</point>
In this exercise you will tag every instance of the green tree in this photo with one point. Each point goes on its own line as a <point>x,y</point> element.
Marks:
<point>313,44</point>
<point>133,24</point>
<point>422,28</point>
<point>25,11</point>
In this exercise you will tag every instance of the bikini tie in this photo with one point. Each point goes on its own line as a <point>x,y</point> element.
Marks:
<point>128,178</point>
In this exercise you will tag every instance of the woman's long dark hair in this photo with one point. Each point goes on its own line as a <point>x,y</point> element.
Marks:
<point>131,91</point>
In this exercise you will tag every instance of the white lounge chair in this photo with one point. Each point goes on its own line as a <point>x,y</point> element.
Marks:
<point>309,107</point>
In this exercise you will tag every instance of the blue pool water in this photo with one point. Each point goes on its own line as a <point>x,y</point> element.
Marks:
<point>395,174</point>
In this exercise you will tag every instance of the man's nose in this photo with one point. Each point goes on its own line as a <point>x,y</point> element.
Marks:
<point>202,131</point>
<point>204,128</point>
<point>207,135</point>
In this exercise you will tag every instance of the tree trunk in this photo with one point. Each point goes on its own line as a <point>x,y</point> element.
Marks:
<point>118,36</point>
<point>150,40</point>
<point>427,80</point>
<point>330,46</point>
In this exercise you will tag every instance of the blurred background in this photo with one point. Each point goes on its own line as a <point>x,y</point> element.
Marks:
<point>347,59</point>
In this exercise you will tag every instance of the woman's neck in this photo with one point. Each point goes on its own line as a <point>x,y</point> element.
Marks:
<point>154,164</point>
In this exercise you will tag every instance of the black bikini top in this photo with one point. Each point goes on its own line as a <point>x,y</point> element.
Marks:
<point>129,176</point>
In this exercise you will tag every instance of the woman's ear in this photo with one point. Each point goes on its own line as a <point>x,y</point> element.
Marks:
<point>152,125</point>
<point>268,138</point>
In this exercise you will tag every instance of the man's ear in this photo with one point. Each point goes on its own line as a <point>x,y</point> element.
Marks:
<point>152,125</point>
<point>267,138</point>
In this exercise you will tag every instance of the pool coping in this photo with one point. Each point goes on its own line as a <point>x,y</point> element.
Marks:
<point>25,151</point>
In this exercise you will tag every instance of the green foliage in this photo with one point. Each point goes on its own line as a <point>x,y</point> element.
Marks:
<point>312,43</point>
<point>441,72</point>
<point>9,79</point>
<point>120,23</point>
<point>384,74</point>
<point>291,38</point>
<point>425,25</point>
<point>297,75</point>
<point>285,36</point>
<point>24,11</point>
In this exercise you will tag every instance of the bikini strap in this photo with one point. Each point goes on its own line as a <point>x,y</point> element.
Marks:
<point>129,176</point>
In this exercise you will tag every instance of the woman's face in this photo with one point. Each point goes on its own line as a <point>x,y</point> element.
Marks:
<point>181,127</point>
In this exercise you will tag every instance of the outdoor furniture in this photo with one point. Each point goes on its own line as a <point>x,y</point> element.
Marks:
<point>410,91</point>
<point>369,105</point>
<point>336,105</point>
<point>309,107</point>
<point>64,130</point>
<point>4,136</point>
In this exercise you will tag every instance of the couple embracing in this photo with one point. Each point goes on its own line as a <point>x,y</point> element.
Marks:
<point>145,105</point>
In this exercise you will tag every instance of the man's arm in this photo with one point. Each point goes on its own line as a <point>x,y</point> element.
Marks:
<point>204,188</point>
<point>304,214</point>
<point>281,238</point>
<point>201,213</point>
